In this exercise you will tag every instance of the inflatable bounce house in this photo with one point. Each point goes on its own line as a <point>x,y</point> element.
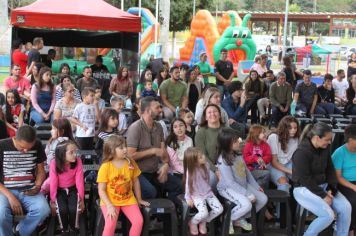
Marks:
<point>148,46</point>
<point>230,33</point>
<point>78,58</point>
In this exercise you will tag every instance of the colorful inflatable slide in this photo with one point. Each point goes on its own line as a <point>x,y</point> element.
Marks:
<point>149,23</point>
<point>231,33</point>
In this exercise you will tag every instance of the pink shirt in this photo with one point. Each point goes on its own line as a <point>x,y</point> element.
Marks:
<point>70,177</point>
<point>21,85</point>
<point>260,70</point>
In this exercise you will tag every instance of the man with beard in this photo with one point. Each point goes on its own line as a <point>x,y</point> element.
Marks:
<point>173,92</point>
<point>146,146</point>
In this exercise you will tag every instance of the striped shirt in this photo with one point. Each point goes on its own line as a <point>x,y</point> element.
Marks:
<point>18,169</point>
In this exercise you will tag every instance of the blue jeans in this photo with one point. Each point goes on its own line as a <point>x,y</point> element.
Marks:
<point>36,207</point>
<point>149,184</point>
<point>37,117</point>
<point>325,213</point>
<point>277,174</point>
<point>223,91</point>
<point>327,108</point>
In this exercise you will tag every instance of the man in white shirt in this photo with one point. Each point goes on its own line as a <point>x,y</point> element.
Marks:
<point>340,86</point>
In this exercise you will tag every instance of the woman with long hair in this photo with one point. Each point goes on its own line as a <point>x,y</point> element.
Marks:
<point>315,181</point>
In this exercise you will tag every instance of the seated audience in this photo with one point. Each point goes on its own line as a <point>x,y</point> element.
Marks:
<point>326,98</point>
<point>283,144</point>
<point>177,143</point>
<point>118,104</point>
<point>146,146</point>
<point>340,85</point>
<point>86,80</point>
<point>350,107</point>
<point>211,96</point>
<point>43,97</point>
<point>14,112</point>
<point>305,96</point>
<point>64,70</point>
<point>264,102</point>
<point>66,105</point>
<point>20,190</point>
<point>18,82</point>
<point>344,159</point>
<point>107,127</point>
<point>236,183</point>
<point>281,97</point>
<point>257,155</point>
<point>145,75</point>
<point>235,107</point>
<point>122,86</point>
<point>315,182</point>
<point>254,89</point>
<point>63,81</point>
<point>194,89</point>
<point>148,90</point>
<point>206,136</point>
<point>173,93</point>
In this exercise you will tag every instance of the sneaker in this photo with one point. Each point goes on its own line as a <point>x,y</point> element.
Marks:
<point>244,225</point>
<point>231,228</point>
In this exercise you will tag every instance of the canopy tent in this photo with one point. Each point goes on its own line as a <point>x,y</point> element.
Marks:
<point>77,23</point>
<point>308,50</point>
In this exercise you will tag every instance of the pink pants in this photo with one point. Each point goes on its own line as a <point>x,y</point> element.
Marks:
<point>132,212</point>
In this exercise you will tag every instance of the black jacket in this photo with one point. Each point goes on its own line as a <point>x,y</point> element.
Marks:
<point>313,167</point>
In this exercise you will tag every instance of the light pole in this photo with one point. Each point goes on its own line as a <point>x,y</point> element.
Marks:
<point>194,8</point>
<point>285,29</point>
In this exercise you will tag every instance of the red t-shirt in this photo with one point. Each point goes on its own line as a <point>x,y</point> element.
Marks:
<point>21,85</point>
<point>20,59</point>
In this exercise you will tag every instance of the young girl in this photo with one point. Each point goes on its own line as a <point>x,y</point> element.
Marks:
<point>67,185</point>
<point>257,155</point>
<point>108,126</point>
<point>188,118</point>
<point>43,97</point>
<point>61,131</point>
<point>283,144</point>
<point>198,192</point>
<point>119,187</point>
<point>177,142</point>
<point>236,181</point>
<point>14,112</point>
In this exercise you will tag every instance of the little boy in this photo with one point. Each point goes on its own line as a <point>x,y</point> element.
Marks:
<point>148,90</point>
<point>84,117</point>
<point>98,99</point>
<point>117,103</point>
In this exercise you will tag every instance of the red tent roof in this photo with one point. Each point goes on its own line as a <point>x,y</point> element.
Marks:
<point>89,15</point>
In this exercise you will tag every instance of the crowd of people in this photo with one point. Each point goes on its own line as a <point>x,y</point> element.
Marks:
<point>176,134</point>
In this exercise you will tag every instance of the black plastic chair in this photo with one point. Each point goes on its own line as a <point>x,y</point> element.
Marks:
<point>226,219</point>
<point>160,207</point>
<point>282,197</point>
<point>186,213</point>
<point>301,214</point>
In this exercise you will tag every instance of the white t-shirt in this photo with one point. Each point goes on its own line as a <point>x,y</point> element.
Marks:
<point>283,157</point>
<point>122,122</point>
<point>86,115</point>
<point>340,87</point>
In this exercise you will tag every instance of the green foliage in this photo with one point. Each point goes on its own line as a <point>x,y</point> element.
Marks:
<point>294,8</point>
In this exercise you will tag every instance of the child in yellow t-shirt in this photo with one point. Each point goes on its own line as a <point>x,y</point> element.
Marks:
<point>118,185</point>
